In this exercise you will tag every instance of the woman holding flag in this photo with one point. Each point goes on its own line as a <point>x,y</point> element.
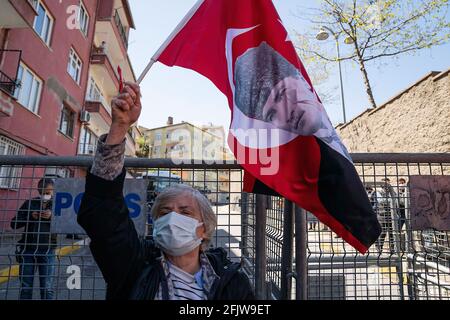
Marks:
<point>175,264</point>
<point>244,49</point>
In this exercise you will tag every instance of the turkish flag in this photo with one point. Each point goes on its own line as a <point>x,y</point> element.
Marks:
<point>280,132</point>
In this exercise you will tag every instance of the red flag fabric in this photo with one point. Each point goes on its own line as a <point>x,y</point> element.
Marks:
<point>119,71</point>
<point>280,132</point>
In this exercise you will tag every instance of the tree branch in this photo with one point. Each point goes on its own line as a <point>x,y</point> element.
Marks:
<point>393,53</point>
<point>321,56</point>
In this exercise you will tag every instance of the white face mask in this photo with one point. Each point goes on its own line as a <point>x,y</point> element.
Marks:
<point>176,234</point>
<point>46,197</point>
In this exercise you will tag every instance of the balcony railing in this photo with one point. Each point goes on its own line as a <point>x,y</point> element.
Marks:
<point>121,28</point>
<point>101,100</point>
<point>9,83</point>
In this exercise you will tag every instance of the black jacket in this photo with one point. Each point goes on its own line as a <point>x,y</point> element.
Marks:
<point>129,264</point>
<point>37,232</point>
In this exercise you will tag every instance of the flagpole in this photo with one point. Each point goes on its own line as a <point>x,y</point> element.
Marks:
<point>163,47</point>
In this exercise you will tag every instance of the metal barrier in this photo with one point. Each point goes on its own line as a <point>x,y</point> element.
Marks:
<point>285,251</point>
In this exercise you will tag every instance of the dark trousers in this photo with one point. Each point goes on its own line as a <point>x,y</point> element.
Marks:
<point>387,228</point>
<point>44,262</point>
<point>385,219</point>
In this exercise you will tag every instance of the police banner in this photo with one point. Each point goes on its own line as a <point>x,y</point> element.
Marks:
<point>68,196</point>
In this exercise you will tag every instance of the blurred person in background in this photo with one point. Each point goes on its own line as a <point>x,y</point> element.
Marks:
<point>36,249</point>
<point>384,213</point>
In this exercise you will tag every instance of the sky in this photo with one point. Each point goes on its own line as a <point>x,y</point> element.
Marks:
<point>188,96</point>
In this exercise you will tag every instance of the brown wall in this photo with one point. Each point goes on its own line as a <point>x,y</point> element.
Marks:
<point>417,121</point>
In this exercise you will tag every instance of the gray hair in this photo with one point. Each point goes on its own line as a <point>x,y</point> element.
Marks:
<point>258,71</point>
<point>206,211</point>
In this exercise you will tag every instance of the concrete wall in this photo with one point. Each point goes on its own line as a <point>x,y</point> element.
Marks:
<point>418,120</point>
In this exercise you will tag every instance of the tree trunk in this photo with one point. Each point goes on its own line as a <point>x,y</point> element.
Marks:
<point>369,92</point>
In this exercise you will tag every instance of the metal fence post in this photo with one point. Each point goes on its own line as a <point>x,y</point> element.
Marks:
<point>287,250</point>
<point>395,218</point>
<point>410,250</point>
<point>244,223</point>
<point>301,260</point>
<point>260,247</point>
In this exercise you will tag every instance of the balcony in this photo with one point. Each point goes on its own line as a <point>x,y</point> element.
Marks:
<point>113,22</point>
<point>7,84</point>
<point>17,13</point>
<point>102,66</point>
<point>100,112</point>
<point>9,62</point>
<point>94,104</point>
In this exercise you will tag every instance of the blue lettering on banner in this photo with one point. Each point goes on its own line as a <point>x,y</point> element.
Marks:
<point>134,207</point>
<point>77,202</point>
<point>64,200</point>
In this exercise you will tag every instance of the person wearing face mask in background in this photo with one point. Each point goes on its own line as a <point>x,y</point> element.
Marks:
<point>175,263</point>
<point>36,248</point>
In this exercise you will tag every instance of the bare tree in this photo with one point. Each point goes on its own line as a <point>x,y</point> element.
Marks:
<point>378,29</point>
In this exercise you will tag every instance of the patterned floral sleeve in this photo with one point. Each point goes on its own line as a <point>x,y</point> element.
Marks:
<point>109,159</point>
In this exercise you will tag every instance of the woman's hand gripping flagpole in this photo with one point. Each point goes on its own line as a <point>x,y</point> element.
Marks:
<point>126,108</point>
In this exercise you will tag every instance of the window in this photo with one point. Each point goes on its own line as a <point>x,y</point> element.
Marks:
<point>83,19</point>
<point>158,136</point>
<point>43,22</point>
<point>88,142</point>
<point>74,66</point>
<point>10,176</point>
<point>94,92</point>
<point>122,30</point>
<point>55,172</point>
<point>29,91</point>
<point>67,121</point>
